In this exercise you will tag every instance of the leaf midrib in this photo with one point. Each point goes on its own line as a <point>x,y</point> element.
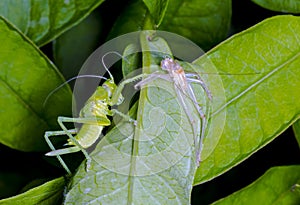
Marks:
<point>259,81</point>
<point>24,103</point>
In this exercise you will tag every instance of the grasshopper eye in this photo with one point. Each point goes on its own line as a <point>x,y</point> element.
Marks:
<point>120,100</point>
<point>110,87</point>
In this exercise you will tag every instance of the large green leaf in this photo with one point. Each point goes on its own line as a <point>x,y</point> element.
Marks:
<point>204,22</point>
<point>42,21</point>
<point>26,78</point>
<point>157,9</point>
<point>290,6</point>
<point>279,185</point>
<point>48,193</point>
<point>131,19</point>
<point>259,106</point>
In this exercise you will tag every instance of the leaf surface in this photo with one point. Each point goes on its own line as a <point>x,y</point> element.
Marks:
<point>42,21</point>
<point>26,78</point>
<point>48,193</point>
<point>157,9</point>
<point>289,6</point>
<point>261,104</point>
<point>279,185</point>
<point>204,22</point>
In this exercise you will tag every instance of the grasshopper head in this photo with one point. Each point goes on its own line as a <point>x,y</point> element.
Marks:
<point>110,88</point>
<point>169,64</point>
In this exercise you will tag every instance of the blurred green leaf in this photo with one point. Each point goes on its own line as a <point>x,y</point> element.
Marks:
<point>48,193</point>
<point>27,77</point>
<point>131,19</point>
<point>276,186</point>
<point>32,184</point>
<point>261,104</point>
<point>131,60</point>
<point>73,47</point>
<point>287,6</point>
<point>157,9</point>
<point>296,128</point>
<point>204,22</point>
<point>42,21</point>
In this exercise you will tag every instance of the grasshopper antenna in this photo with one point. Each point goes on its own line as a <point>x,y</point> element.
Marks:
<point>106,68</point>
<point>74,78</point>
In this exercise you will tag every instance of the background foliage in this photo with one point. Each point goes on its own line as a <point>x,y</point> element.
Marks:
<point>45,42</point>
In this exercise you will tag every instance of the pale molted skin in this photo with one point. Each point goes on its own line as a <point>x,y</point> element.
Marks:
<point>182,84</point>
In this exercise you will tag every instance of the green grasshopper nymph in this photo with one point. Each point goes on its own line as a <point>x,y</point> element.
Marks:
<point>94,118</point>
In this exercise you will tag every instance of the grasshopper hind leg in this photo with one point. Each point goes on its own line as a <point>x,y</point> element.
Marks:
<point>76,143</point>
<point>47,136</point>
<point>192,122</point>
<point>203,117</point>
